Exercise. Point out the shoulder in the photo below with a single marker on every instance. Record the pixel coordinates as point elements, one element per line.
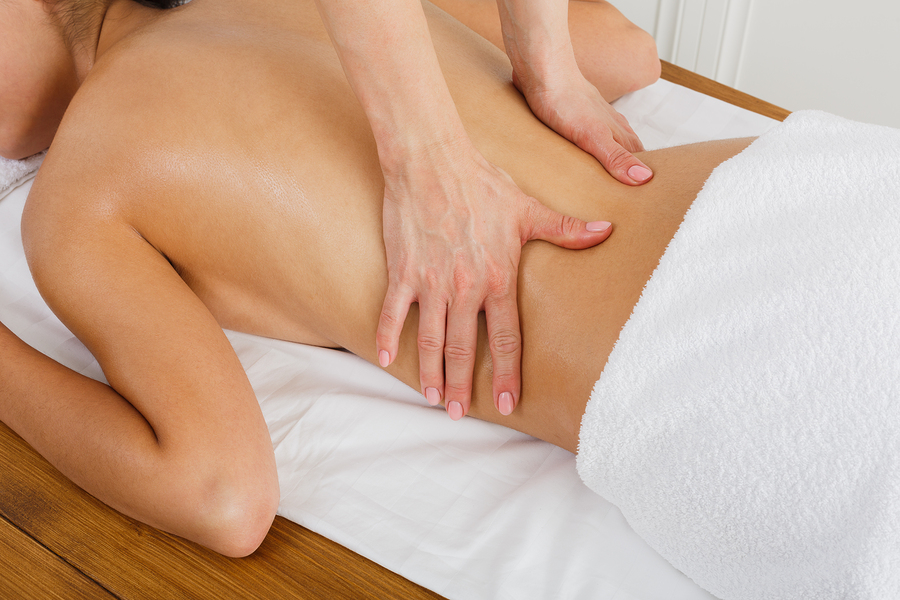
<point>101,158</point>
<point>137,109</point>
<point>142,128</point>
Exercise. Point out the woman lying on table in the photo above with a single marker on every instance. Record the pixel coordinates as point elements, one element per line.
<point>215,170</point>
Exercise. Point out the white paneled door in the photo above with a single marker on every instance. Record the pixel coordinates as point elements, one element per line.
<point>834,55</point>
<point>705,36</point>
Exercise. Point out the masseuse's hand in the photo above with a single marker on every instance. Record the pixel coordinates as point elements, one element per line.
<point>537,41</point>
<point>573,107</point>
<point>454,227</point>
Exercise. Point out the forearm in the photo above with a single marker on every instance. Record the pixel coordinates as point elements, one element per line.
<point>389,59</point>
<point>537,40</point>
<point>80,425</point>
<point>102,443</point>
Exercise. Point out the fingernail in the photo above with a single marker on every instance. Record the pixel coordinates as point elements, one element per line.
<point>639,173</point>
<point>433,396</point>
<point>506,404</point>
<point>384,359</point>
<point>596,226</point>
<point>454,409</point>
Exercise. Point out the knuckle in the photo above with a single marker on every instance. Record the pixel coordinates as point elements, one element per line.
<point>458,352</point>
<point>389,319</point>
<point>499,282</point>
<point>433,280</point>
<point>568,225</point>
<point>457,389</point>
<point>505,345</point>
<point>463,282</point>
<point>429,344</point>
<point>618,159</point>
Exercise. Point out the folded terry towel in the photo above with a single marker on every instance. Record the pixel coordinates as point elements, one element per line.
<point>747,422</point>
<point>12,172</point>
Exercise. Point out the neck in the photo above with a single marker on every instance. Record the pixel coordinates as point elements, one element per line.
<point>100,32</point>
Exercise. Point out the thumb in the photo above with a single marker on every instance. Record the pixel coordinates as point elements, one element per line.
<point>620,163</point>
<point>566,232</point>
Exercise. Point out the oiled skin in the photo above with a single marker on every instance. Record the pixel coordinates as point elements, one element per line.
<point>264,194</point>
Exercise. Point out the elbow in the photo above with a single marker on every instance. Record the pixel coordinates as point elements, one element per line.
<point>238,527</point>
<point>635,64</point>
<point>646,67</point>
<point>228,512</point>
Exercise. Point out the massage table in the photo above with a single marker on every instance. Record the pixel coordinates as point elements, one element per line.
<point>382,495</point>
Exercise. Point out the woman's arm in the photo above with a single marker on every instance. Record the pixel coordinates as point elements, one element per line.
<point>178,441</point>
<point>454,224</point>
<point>537,41</point>
<point>615,55</point>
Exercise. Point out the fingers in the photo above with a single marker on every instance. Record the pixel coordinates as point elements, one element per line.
<point>393,314</point>
<point>432,326</point>
<point>459,355</point>
<point>614,146</point>
<point>625,135</point>
<point>567,232</point>
<point>618,161</point>
<point>505,343</point>
<point>453,252</point>
<point>590,122</point>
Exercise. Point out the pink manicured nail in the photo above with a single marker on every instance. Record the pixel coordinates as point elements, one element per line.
<point>596,226</point>
<point>506,403</point>
<point>639,173</point>
<point>384,359</point>
<point>454,409</point>
<point>433,396</point>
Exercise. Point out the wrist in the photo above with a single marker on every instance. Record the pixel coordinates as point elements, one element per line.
<point>432,144</point>
<point>549,70</point>
<point>537,41</point>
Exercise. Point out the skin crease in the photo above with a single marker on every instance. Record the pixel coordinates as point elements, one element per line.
<point>174,202</point>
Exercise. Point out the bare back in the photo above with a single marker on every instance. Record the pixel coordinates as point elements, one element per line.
<point>239,162</point>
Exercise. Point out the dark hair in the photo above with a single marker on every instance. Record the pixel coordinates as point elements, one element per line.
<point>75,17</point>
<point>161,4</point>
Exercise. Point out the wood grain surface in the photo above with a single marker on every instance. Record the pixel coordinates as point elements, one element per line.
<point>57,539</point>
<point>707,86</point>
<point>28,570</point>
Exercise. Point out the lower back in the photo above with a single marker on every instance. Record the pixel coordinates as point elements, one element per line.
<point>263,188</point>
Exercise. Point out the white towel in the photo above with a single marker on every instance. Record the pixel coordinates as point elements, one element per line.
<point>747,422</point>
<point>13,172</point>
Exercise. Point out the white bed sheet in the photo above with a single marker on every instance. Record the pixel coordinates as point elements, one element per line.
<point>469,509</point>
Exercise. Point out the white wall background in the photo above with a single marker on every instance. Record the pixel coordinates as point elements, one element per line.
<point>835,55</point>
